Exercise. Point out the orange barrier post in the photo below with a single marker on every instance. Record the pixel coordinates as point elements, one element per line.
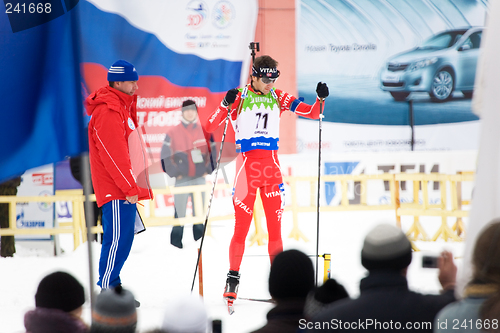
<point>200,274</point>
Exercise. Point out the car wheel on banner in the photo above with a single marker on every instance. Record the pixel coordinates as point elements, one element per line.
<point>442,86</point>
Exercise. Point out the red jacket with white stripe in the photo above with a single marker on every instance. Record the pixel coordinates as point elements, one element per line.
<point>286,101</point>
<point>113,121</point>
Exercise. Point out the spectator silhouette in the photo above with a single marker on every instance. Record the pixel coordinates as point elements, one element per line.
<point>321,297</point>
<point>385,302</point>
<point>114,311</point>
<point>290,280</point>
<point>479,310</point>
<point>58,299</point>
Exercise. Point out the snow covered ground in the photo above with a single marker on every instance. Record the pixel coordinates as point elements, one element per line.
<point>156,272</point>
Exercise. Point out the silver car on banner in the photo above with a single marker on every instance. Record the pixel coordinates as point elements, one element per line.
<point>444,63</point>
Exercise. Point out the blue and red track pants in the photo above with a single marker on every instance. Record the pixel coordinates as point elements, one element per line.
<point>118,220</point>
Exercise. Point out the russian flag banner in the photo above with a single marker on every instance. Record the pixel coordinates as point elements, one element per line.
<point>53,55</point>
<point>181,49</point>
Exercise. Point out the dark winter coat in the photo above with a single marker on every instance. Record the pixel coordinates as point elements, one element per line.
<point>385,300</point>
<point>176,153</point>
<point>42,320</point>
<point>284,317</point>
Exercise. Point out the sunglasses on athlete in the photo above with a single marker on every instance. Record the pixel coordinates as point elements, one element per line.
<point>268,80</point>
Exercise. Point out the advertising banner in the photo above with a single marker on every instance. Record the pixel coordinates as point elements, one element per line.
<point>390,65</point>
<point>36,182</point>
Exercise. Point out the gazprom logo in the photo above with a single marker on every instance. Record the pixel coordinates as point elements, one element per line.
<point>223,14</point>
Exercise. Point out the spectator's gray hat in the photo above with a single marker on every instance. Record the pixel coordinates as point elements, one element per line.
<point>114,310</point>
<point>386,247</point>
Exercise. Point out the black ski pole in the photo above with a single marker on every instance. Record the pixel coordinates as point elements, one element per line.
<point>319,184</point>
<point>211,196</point>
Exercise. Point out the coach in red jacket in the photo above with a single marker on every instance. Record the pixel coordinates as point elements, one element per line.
<point>117,188</point>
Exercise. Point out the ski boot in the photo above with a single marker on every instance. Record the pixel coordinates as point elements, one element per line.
<point>231,289</point>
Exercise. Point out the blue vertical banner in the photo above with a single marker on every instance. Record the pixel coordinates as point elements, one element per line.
<point>40,89</point>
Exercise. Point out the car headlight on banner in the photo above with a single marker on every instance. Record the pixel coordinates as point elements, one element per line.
<point>422,63</point>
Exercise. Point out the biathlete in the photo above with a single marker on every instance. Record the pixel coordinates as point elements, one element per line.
<point>255,112</point>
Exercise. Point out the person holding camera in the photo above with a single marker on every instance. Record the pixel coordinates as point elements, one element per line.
<point>479,310</point>
<point>186,156</point>
<point>385,297</point>
<point>255,112</point>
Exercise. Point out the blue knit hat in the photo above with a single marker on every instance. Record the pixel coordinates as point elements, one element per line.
<point>122,71</point>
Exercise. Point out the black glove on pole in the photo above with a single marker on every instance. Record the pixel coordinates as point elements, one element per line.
<point>230,97</point>
<point>322,90</point>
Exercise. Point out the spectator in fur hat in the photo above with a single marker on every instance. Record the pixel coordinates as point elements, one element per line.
<point>58,299</point>
<point>385,299</point>
<point>290,280</point>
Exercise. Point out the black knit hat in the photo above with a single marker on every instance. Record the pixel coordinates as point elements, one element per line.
<point>386,247</point>
<point>114,311</point>
<point>61,291</point>
<point>189,104</point>
<point>291,276</point>
<point>331,291</point>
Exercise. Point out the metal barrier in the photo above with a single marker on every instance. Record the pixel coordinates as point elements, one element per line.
<point>424,208</point>
<point>416,209</point>
<point>77,227</point>
<point>344,202</point>
<point>360,183</point>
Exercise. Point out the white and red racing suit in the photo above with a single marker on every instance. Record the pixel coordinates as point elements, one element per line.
<point>255,118</point>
